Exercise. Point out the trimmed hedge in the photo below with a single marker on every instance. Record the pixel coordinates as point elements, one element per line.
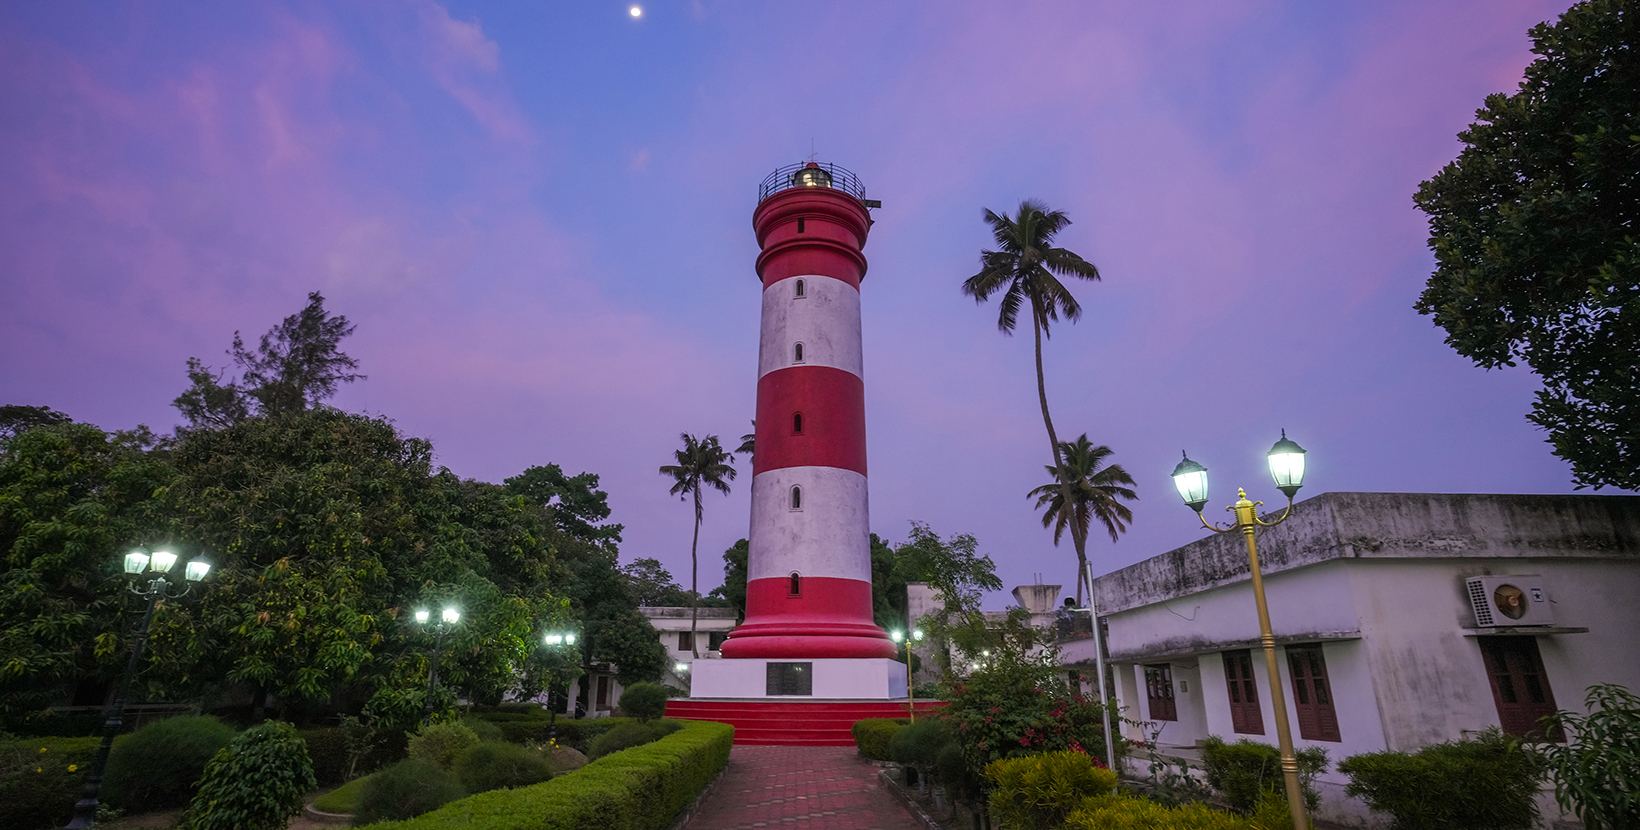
<point>875,736</point>
<point>642,788</point>
<point>629,735</point>
<point>1114,811</point>
<point>159,766</point>
<point>1488,783</point>
<point>41,778</point>
<point>578,734</point>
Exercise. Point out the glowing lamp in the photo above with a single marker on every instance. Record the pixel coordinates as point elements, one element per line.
<point>811,175</point>
<point>1191,479</point>
<point>136,562</point>
<point>451,616</point>
<point>196,570</point>
<point>162,561</point>
<point>1286,465</point>
<point>421,616</point>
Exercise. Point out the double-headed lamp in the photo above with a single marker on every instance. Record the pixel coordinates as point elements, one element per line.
<point>1287,465</point>
<point>555,639</point>
<point>1191,479</point>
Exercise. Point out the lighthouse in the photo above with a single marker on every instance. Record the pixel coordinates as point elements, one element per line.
<point>808,631</point>
<point>808,589</point>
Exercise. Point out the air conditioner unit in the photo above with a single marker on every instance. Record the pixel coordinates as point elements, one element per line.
<point>1509,601</point>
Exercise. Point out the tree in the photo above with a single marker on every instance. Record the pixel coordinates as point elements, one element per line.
<point>748,442</point>
<point>651,584</point>
<point>1094,493</point>
<point>734,577</point>
<point>1026,269</point>
<point>16,419</point>
<point>296,365</point>
<point>578,507</point>
<point>1534,233</point>
<point>955,569</point>
<point>701,461</point>
<point>1597,775</point>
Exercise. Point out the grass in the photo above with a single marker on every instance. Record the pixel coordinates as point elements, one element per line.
<point>343,799</point>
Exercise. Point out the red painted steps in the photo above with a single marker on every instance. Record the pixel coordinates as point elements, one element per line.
<point>761,722</point>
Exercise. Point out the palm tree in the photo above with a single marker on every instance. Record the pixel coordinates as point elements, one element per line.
<point>1024,268</point>
<point>1093,495</point>
<point>701,461</point>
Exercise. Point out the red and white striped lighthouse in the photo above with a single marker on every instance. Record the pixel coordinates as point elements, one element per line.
<point>808,593</point>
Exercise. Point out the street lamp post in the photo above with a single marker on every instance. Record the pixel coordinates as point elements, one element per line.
<point>447,620</point>
<point>147,574</point>
<point>555,639</point>
<point>1286,460</point>
<point>910,688</point>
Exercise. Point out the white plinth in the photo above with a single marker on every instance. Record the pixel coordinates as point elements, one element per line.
<point>860,678</point>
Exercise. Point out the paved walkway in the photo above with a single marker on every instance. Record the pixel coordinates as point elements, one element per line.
<point>800,788</point>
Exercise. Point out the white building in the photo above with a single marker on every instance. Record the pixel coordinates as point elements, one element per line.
<point>1380,643</point>
<point>712,627</point>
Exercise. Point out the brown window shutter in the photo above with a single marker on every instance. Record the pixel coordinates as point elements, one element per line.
<point>1520,688</point>
<point>1245,717</point>
<point>1312,694</point>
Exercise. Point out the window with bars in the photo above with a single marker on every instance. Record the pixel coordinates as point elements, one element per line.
<point>1519,686</point>
<point>686,641</point>
<point>1159,689</point>
<point>1312,695</point>
<point>1245,717</point>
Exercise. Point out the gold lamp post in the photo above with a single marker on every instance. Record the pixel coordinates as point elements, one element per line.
<point>1286,461</point>
<point>910,688</point>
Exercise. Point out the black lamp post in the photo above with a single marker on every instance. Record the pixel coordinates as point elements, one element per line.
<point>555,640</point>
<point>151,575</point>
<point>447,620</point>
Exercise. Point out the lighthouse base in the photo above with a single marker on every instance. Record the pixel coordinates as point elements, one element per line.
<point>787,679</point>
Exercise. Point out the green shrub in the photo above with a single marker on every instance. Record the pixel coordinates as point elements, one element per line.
<point>1037,792</point>
<point>327,748</point>
<point>485,730</point>
<point>1599,775</point>
<point>643,788</point>
<point>491,766</point>
<point>953,773</point>
<point>629,735</point>
<point>1483,784</point>
<point>254,783</point>
<point>405,790</point>
<point>1114,811</point>
<point>918,744</point>
<point>158,766</point>
<point>442,742</point>
<point>644,701</point>
<point>577,734</point>
<point>874,737</point>
<point>41,778</point>
<point>1242,771</point>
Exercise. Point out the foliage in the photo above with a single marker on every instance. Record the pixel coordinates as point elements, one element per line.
<point>701,462</point>
<point>1171,781</point>
<point>492,766</point>
<point>572,733</point>
<point>577,506</point>
<point>71,496</point>
<point>1533,230</point>
<point>613,630</point>
<point>1243,770</point>
<point>361,740</point>
<point>1489,782</point>
<point>734,577</point>
<point>158,766</point>
<point>1019,705</point>
<point>327,749</point>
<point>1598,775</point>
<point>1037,792</point>
<point>919,743</point>
<point>652,584</point>
<point>405,790</point>
<point>1091,491</point>
<point>254,783</point>
<point>343,800</point>
<point>954,568</point>
<point>643,788</point>
<point>296,365</point>
<point>875,736</point>
<point>629,735</point>
<point>442,742</point>
<point>41,778</point>
<point>644,701</point>
<point>485,730</point>
<point>1114,811</point>
<point>16,419</point>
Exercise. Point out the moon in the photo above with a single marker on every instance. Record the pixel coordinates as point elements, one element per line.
<point>635,11</point>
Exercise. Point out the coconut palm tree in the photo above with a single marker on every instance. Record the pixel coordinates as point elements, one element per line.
<point>1026,268</point>
<point>1094,492</point>
<point>701,461</point>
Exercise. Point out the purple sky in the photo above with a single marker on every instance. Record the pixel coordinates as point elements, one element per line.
<point>539,216</point>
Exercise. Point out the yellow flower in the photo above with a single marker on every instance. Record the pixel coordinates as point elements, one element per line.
<point>73,767</point>
<point>37,769</point>
<point>42,749</point>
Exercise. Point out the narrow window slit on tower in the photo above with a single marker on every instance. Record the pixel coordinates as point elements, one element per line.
<point>797,353</point>
<point>800,288</point>
<point>797,429</point>
<point>797,504</point>
<point>797,584</point>
<point>799,226</point>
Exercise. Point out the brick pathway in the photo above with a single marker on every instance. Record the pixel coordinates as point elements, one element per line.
<point>800,788</point>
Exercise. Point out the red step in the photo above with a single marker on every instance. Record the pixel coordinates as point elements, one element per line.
<point>761,722</point>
